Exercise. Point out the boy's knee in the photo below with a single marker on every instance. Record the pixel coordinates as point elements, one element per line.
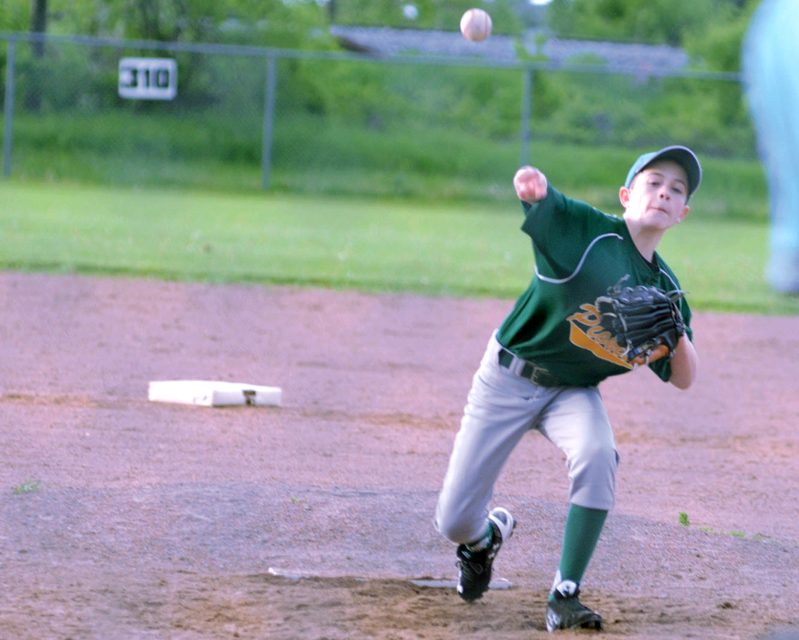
<point>597,458</point>
<point>593,477</point>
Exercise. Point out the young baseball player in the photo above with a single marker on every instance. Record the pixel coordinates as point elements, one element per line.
<point>541,368</point>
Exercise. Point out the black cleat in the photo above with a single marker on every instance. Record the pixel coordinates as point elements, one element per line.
<point>565,611</point>
<point>474,567</point>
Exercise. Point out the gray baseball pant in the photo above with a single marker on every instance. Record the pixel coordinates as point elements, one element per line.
<point>502,407</point>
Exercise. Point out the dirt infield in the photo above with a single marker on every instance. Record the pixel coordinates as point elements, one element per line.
<point>121,518</point>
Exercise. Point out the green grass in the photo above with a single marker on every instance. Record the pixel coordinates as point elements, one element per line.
<point>376,245</point>
<point>344,158</point>
<point>29,486</point>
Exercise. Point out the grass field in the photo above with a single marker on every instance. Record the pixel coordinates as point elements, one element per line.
<point>373,245</point>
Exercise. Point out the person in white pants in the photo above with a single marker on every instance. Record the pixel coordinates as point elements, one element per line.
<point>541,369</point>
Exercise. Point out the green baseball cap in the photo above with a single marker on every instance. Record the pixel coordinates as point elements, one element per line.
<point>683,156</point>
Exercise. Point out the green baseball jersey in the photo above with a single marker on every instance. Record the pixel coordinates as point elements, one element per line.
<point>580,253</point>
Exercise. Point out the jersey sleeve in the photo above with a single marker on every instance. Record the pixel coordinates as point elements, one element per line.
<point>558,226</point>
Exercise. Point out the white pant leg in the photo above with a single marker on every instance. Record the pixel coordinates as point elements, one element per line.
<point>501,408</point>
<point>577,423</point>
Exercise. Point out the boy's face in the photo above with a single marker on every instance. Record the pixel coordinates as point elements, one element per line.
<point>657,197</point>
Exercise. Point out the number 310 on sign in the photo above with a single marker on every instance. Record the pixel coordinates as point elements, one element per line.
<point>148,78</point>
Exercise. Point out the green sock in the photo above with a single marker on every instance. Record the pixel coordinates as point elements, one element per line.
<point>484,542</point>
<point>580,536</point>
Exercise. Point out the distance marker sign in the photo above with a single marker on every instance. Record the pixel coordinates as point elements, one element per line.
<point>148,78</point>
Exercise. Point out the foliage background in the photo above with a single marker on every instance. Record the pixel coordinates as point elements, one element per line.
<point>350,127</point>
<point>345,125</point>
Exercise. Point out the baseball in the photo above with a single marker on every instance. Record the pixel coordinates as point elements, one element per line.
<point>476,25</point>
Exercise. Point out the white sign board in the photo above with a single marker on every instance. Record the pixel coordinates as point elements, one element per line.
<point>148,78</point>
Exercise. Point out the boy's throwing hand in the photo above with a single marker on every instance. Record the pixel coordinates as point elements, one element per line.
<point>530,184</point>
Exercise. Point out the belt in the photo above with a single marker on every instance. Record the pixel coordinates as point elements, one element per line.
<point>526,369</point>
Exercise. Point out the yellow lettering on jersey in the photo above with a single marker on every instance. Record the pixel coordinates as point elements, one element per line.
<point>586,332</point>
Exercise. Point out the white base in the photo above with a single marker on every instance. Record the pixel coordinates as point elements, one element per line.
<point>213,393</point>
<point>497,584</point>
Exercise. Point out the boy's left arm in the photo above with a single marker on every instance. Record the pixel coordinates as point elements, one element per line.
<point>684,364</point>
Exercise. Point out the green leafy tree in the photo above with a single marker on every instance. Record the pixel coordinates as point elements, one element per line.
<point>717,45</point>
<point>15,15</point>
<point>718,48</point>
<point>260,22</point>
<point>652,21</point>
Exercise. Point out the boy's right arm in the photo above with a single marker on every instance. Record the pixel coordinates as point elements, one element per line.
<point>530,184</point>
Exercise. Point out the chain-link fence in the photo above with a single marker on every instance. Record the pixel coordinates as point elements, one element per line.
<point>145,113</point>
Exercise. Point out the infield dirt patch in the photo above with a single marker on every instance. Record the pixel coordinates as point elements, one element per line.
<point>121,518</point>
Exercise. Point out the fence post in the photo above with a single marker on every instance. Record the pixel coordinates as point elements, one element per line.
<point>8,107</point>
<point>527,110</point>
<point>269,117</point>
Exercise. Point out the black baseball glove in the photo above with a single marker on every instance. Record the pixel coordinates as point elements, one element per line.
<point>645,321</point>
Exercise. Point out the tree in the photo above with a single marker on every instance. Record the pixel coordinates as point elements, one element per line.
<point>39,16</point>
<point>33,95</point>
<point>651,21</point>
<point>718,45</point>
